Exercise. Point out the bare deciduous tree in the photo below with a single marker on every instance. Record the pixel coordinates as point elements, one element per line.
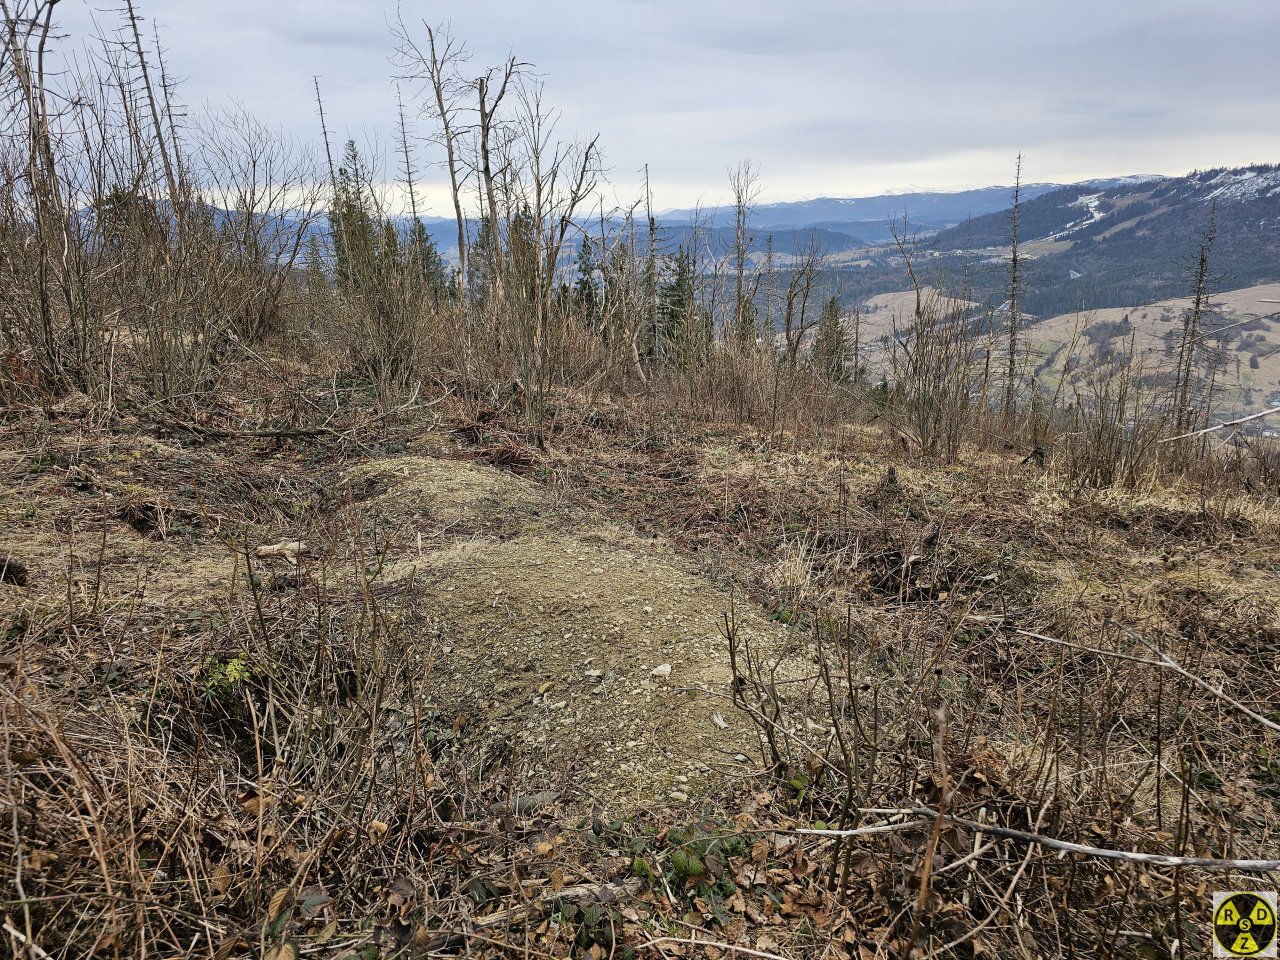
<point>437,67</point>
<point>489,101</point>
<point>805,270</point>
<point>744,181</point>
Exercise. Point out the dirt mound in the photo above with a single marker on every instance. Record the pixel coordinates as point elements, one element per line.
<point>587,659</point>
<point>95,523</point>
<point>593,660</point>
<point>451,496</point>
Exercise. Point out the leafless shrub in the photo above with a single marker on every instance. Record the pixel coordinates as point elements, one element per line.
<point>933,364</point>
<point>114,244</point>
<point>226,782</point>
<point>1110,432</point>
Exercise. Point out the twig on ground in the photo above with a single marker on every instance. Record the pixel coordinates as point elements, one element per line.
<point>1107,853</point>
<point>656,944</point>
<point>1166,662</point>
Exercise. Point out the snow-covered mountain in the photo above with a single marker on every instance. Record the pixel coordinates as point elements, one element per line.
<point>1151,207</point>
<point>1130,242</point>
<point>871,219</point>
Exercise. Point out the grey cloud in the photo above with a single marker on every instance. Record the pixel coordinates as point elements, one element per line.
<point>828,96</point>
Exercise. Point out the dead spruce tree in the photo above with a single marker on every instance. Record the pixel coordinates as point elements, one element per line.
<point>1189,342</point>
<point>1015,292</point>
<point>744,182</point>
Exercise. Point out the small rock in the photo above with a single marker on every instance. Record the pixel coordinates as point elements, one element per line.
<point>289,549</point>
<point>679,796</point>
<point>661,672</point>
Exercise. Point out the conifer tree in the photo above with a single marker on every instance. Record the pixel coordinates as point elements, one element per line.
<point>678,313</point>
<point>351,219</point>
<point>830,346</point>
<point>481,261</point>
<point>425,264</point>
<point>586,290</point>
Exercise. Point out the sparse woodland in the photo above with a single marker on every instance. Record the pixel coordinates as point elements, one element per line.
<point>572,595</point>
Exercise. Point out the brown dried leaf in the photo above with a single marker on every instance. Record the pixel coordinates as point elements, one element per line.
<point>767,944</point>
<point>254,802</point>
<point>37,860</point>
<point>108,941</point>
<point>400,892</point>
<point>220,882</point>
<point>277,903</point>
<point>312,900</point>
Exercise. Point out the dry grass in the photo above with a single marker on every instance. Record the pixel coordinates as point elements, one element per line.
<point>411,734</point>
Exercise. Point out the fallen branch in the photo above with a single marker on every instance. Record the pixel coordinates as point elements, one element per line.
<point>1164,661</point>
<point>1171,664</point>
<point>1106,853</point>
<point>32,948</point>
<point>1002,904</point>
<point>656,944</point>
<point>860,831</point>
<point>1223,426</point>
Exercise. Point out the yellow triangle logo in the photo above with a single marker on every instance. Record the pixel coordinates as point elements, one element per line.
<point>1245,945</point>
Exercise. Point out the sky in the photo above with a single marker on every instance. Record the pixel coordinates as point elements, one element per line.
<point>825,97</point>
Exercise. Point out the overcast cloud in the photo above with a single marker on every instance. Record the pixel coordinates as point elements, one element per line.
<point>827,97</point>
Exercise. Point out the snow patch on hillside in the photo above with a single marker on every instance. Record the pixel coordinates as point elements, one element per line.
<point>1241,186</point>
<point>1092,204</point>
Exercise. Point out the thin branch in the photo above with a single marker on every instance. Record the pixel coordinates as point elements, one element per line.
<point>860,831</point>
<point>1105,853</point>
<point>1224,426</point>
<point>692,941</point>
<point>1165,661</point>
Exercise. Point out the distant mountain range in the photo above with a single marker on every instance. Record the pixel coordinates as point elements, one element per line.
<point>839,224</point>
<point>1115,242</point>
<point>1130,243</point>
<point>870,220</point>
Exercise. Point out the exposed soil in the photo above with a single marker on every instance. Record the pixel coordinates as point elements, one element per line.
<point>590,659</point>
<point>590,656</point>
<point>509,659</point>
